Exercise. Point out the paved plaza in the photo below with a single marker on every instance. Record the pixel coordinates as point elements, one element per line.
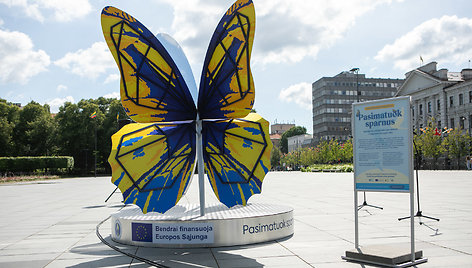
<point>52,224</point>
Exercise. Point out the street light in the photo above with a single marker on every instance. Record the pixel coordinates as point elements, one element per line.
<point>356,70</point>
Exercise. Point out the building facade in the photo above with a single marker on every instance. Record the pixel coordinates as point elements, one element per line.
<point>439,95</point>
<point>297,142</point>
<point>276,131</point>
<point>280,128</point>
<point>333,97</point>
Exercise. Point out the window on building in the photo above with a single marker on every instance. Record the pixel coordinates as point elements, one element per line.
<point>470,123</point>
<point>439,105</point>
<point>470,96</point>
<point>439,125</point>
<point>421,109</point>
<point>429,107</point>
<point>451,101</point>
<point>461,122</point>
<point>413,111</point>
<point>452,123</point>
<point>461,99</point>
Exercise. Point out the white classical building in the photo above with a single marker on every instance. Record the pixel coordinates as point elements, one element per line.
<point>297,142</point>
<point>439,94</point>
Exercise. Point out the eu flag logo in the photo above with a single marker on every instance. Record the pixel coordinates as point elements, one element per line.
<point>142,232</point>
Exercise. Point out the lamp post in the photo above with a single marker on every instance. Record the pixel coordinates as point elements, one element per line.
<point>356,70</point>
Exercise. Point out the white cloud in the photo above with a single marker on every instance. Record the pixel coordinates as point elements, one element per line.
<point>112,78</point>
<point>445,40</point>
<point>62,10</point>
<point>113,95</point>
<point>286,31</point>
<point>90,62</point>
<point>61,88</point>
<point>19,60</point>
<point>299,94</point>
<point>58,102</point>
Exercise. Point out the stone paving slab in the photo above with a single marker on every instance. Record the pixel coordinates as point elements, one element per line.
<point>52,224</point>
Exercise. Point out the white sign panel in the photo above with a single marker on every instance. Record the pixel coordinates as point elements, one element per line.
<point>173,233</point>
<point>382,145</point>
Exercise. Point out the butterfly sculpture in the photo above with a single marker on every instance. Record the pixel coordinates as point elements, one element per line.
<point>153,160</point>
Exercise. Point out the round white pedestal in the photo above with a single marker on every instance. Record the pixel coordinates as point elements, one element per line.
<point>182,226</point>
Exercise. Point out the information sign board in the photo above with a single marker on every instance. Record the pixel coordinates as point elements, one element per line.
<point>383,150</point>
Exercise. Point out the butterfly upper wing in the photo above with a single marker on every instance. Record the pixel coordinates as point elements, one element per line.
<point>226,86</point>
<point>152,87</point>
<point>153,163</point>
<point>237,157</point>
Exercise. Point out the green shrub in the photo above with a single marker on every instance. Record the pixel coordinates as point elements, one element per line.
<point>328,167</point>
<point>32,164</point>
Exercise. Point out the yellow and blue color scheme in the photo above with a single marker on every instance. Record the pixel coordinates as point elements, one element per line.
<point>153,160</point>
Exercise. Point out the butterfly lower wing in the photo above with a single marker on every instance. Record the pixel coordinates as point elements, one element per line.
<point>152,87</point>
<point>226,84</point>
<point>152,164</point>
<point>237,157</point>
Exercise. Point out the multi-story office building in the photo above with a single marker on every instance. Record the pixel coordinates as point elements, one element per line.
<point>439,94</point>
<point>333,97</point>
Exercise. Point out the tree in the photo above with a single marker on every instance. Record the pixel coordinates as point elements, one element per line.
<point>347,151</point>
<point>78,131</point>
<point>5,137</point>
<point>456,144</point>
<point>429,142</point>
<point>294,131</point>
<point>113,113</point>
<point>290,159</point>
<point>8,119</point>
<point>34,133</point>
<point>307,156</point>
<point>275,156</point>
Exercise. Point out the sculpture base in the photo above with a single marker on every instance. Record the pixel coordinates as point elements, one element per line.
<point>182,226</point>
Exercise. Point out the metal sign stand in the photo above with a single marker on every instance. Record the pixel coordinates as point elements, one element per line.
<point>385,255</point>
<point>364,204</point>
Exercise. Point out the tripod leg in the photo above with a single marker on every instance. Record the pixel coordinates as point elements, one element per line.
<point>404,218</point>
<point>375,206</point>
<point>431,218</point>
<point>364,204</point>
<point>111,194</point>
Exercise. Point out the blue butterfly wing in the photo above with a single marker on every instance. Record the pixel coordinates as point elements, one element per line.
<point>226,85</point>
<point>237,157</point>
<point>152,86</point>
<point>153,163</point>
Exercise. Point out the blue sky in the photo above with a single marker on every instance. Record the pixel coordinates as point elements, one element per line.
<point>53,51</point>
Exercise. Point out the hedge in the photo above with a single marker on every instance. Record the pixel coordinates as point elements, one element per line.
<point>33,163</point>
